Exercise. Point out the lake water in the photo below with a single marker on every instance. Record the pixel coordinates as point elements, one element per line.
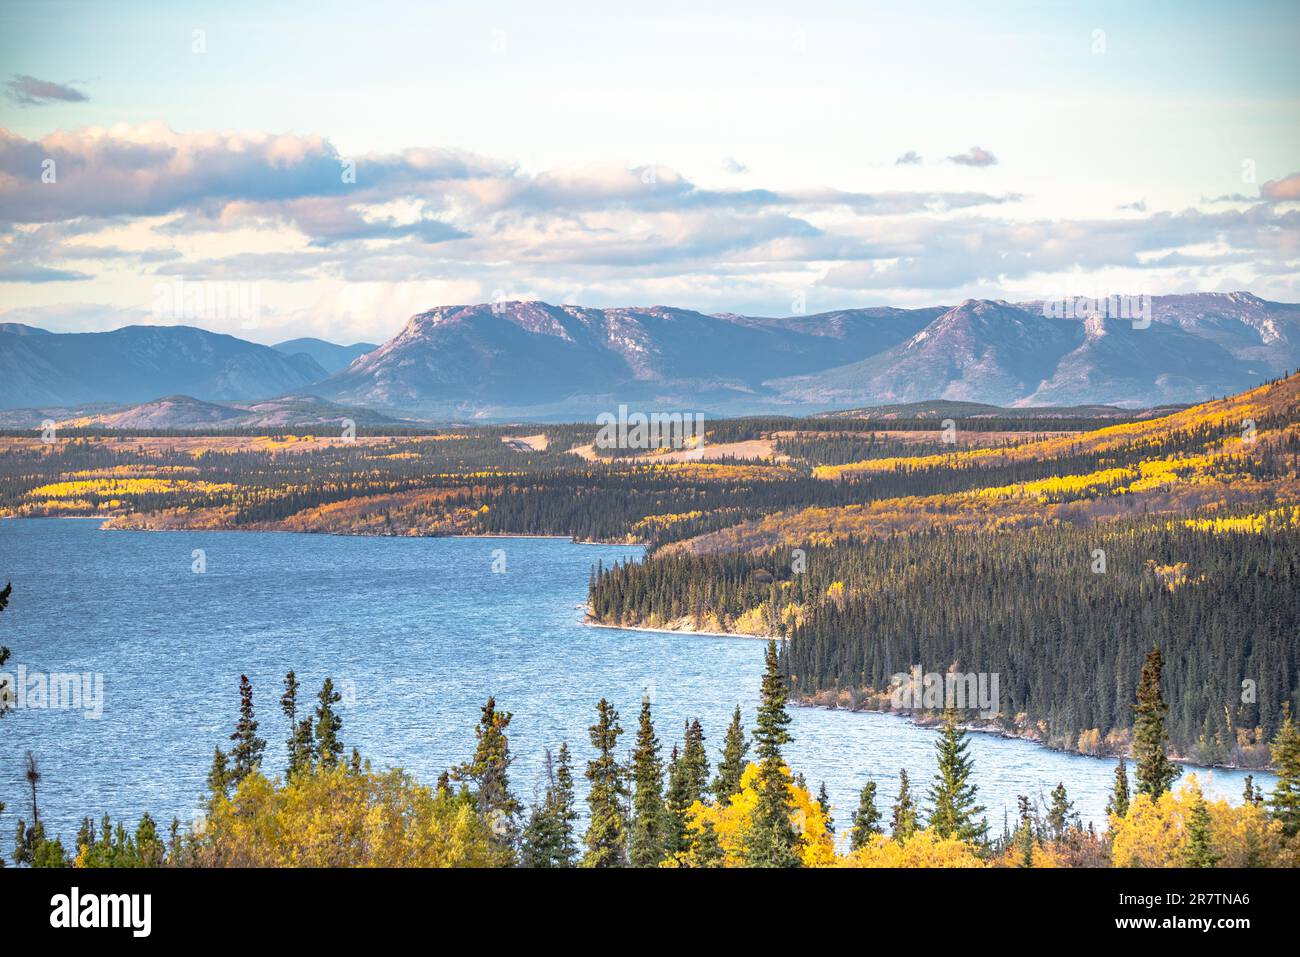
<point>416,632</point>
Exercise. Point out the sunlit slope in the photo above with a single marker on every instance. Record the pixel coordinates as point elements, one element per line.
<point>1231,458</point>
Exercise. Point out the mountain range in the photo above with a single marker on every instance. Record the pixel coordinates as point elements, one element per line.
<point>508,360</point>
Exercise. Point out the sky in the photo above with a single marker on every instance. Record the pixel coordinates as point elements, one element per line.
<point>341,166</point>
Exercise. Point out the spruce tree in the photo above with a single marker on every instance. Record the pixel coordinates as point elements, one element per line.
<point>1199,851</point>
<point>488,772</point>
<point>772,841</point>
<point>903,823</point>
<point>6,692</point>
<point>695,761</point>
<point>246,753</point>
<point>1059,812</point>
<point>547,839</point>
<point>566,808</point>
<point>706,850</point>
<point>735,748</point>
<point>866,819</point>
<point>824,802</point>
<point>1024,839</point>
<point>218,777</point>
<point>677,802</point>
<point>1285,751</point>
<point>1117,804</point>
<point>1155,772</point>
<point>954,811</point>
<point>646,847</point>
<point>299,749</point>
<point>328,724</point>
<point>606,837</point>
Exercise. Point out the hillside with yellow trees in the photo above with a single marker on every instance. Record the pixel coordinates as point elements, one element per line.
<point>1054,563</point>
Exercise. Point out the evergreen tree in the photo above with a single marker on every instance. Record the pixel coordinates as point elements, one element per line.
<point>706,850</point>
<point>246,753</point>
<point>219,776</point>
<point>328,724</point>
<point>953,793</point>
<point>646,848</point>
<point>677,836</point>
<point>1285,750</point>
<point>1252,795</point>
<point>547,840</point>
<point>903,823</point>
<point>1024,839</point>
<point>695,761</point>
<point>6,692</point>
<point>1199,851</point>
<point>606,837</point>
<point>566,808</point>
<point>1117,804</point>
<point>735,747</point>
<point>299,741</point>
<point>1155,772</point>
<point>866,820</point>
<point>488,772</point>
<point>772,841</point>
<point>824,802</point>
<point>1059,812</point>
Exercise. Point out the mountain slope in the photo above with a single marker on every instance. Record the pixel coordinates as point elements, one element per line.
<point>330,356</point>
<point>139,363</point>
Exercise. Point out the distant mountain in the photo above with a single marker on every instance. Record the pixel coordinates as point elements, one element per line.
<point>330,356</point>
<point>515,358</point>
<point>186,412</point>
<point>533,360</point>
<point>139,363</point>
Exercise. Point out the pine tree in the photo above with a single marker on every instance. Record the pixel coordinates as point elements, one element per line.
<point>695,761</point>
<point>328,723</point>
<point>547,840</point>
<point>772,841</point>
<point>219,777</point>
<point>1200,851</point>
<point>1024,839</point>
<point>299,741</point>
<point>566,808</point>
<point>735,748</point>
<point>646,847</point>
<point>1155,772</point>
<point>6,692</point>
<point>953,794</point>
<point>706,850</point>
<point>246,754</point>
<point>1285,751</point>
<point>824,802</point>
<point>866,820</point>
<point>606,837</point>
<point>1059,812</point>
<point>1118,801</point>
<point>488,772</point>
<point>903,823</point>
<point>677,802</point>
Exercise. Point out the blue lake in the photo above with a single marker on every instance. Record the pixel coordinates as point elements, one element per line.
<point>416,632</point>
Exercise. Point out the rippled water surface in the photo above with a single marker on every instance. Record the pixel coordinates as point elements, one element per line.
<point>416,632</point>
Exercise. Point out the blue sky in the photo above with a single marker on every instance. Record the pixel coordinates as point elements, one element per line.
<point>644,153</point>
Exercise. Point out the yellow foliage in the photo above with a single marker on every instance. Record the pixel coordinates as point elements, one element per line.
<point>341,818</point>
<point>732,821</point>
<point>1154,833</point>
<point>922,849</point>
